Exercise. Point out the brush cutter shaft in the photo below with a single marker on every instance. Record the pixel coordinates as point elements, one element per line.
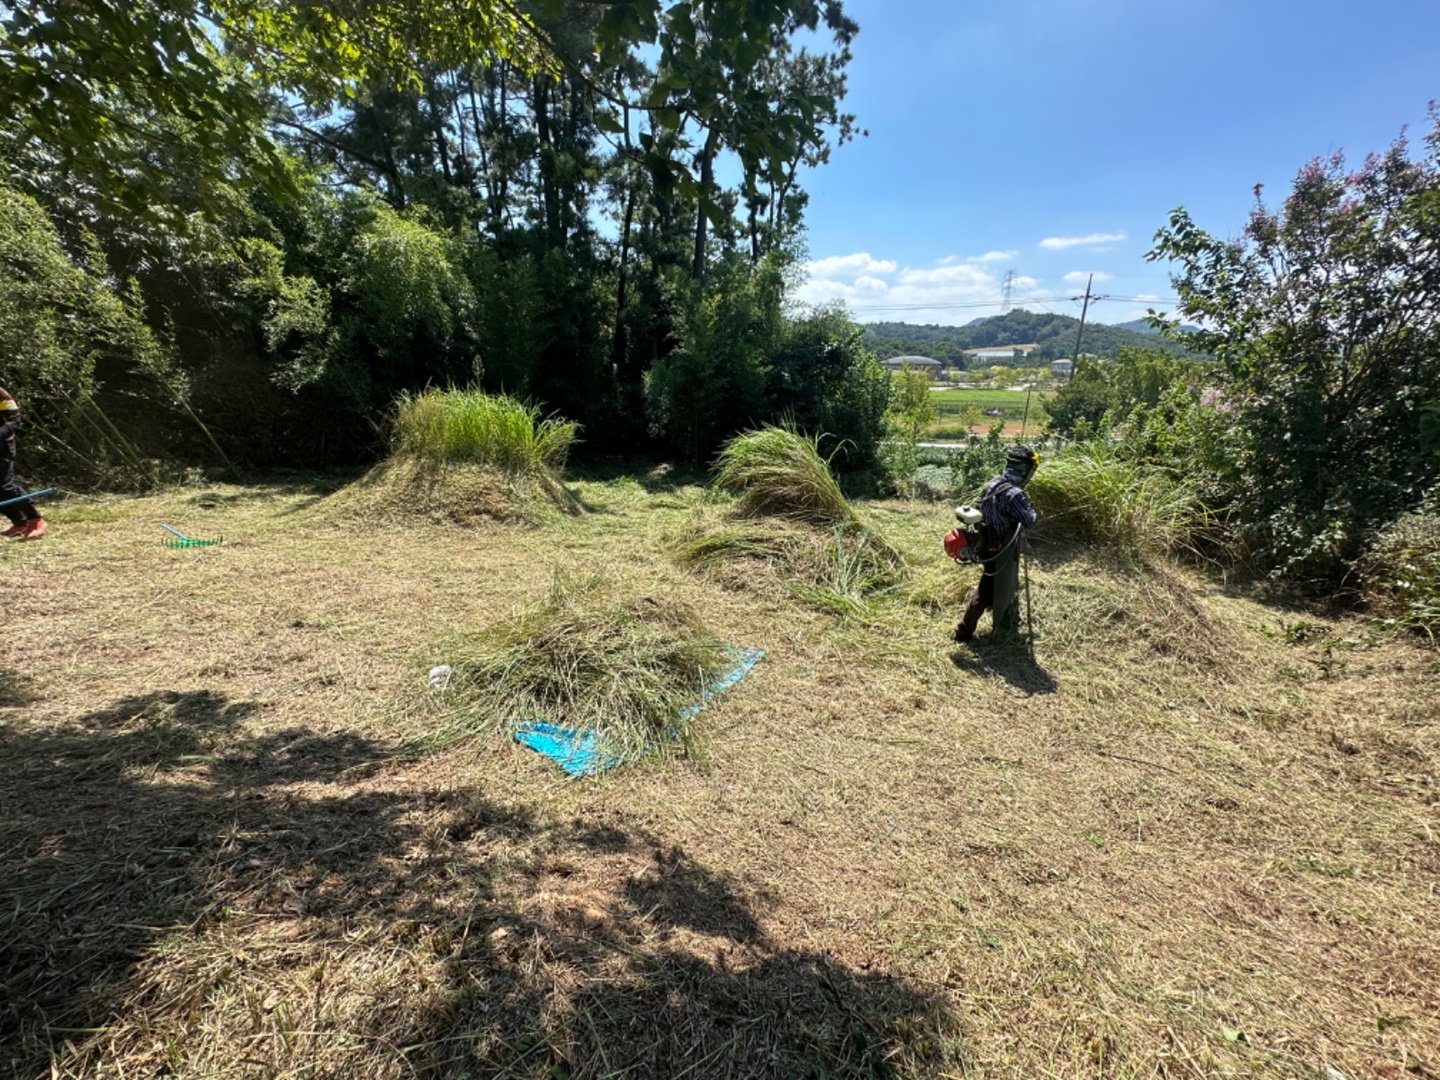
<point>27,498</point>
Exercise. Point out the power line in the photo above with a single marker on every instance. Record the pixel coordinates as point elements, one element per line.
<point>1039,301</point>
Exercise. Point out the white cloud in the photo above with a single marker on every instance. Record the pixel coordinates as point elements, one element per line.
<point>1060,243</point>
<point>1146,297</point>
<point>1080,277</point>
<point>843,266</point>
<point>948,291</point>
<point>992,256</point>
<point>866,283</point>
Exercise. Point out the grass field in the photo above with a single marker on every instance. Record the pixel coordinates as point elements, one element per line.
<point>1194,836</point>
<point>950,403</point>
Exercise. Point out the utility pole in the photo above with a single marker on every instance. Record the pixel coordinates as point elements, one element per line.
<point>1005,290</point>
<point>1080,332</point>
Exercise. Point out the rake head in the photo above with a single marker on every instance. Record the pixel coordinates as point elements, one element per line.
<point>189,543</point>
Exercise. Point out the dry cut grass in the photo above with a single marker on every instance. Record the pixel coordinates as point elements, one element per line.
<point>781,473</point>
<point>791,525</point>
<point>1192,836</point>
<point>628,668</point>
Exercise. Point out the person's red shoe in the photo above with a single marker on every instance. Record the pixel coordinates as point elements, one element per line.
<point>33,529</point>
<point>14,532</point>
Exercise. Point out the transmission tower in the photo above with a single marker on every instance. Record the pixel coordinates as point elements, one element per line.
<point>1005,290</point>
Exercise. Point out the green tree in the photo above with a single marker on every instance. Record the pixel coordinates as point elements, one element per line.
<point>912,411</point>
<point>78,354</point>
<point>1324,318</point>
<point>1102,394</point>
<point>713,383</point>
<point>820,378</point>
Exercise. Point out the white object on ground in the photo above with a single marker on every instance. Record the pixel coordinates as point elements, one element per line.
<point>440,676</point>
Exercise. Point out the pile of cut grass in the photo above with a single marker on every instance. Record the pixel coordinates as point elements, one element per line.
<point>463,456</point>
<point>842,570</point>
<point>792,524</point>
<point>1094,496</point>
<point>627,667</point>
<point>780,473</point>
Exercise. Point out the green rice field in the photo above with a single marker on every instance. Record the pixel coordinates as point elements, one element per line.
<point>950,404</point>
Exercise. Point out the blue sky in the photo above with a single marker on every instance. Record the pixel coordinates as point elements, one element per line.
<point>1053,138</point>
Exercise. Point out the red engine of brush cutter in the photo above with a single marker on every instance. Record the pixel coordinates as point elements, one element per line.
<point>960,545</point>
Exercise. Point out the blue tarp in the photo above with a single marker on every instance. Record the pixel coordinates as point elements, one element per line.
<point>579,752</point>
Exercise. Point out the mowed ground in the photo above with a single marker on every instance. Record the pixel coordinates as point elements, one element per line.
<point>1195,836</point>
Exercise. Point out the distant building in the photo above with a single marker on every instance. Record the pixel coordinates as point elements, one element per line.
<point>924,364</point>
<point>1062,369</point>
<point>1001,353</point>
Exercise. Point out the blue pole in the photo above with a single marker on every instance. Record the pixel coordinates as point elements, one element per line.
<point>177,532</point>
<point>32,495</point>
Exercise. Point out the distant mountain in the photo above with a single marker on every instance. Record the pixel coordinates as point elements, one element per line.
<point>1053,336</point>
<point>1140,326</point>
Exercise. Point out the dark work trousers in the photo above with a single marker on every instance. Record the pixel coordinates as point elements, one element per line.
<point>983,598</point>
<point>19,512</point>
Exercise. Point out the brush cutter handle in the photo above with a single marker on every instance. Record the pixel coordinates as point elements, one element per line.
<point>27,498</point>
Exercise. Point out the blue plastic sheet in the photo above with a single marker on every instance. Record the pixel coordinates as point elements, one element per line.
<point>578,751</point>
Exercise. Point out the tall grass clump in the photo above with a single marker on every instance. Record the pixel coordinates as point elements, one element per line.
<point>779,471</point>
<point>1091,494</point>
<point>445,427</point>
<point>814,542</point>
<point>628,667</point>
<point>1400,573</point>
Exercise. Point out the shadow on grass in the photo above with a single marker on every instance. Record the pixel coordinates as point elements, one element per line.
<point>16,690</point>
<point>1008,658</point>
<point>656,477</point>
<point>158,864</point>
<point>308,488</point>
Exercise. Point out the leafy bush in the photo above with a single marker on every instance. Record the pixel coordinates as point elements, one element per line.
<point>977,461</point>
<point>912,410</point>
<point>821,378</point>
<point>1322,319</point>
<point>407,310</point>
<point>1102,395</point>
<point>1400,573</point>
<point>628,667</point>
<point>779,471</point>
<point>1091,494</point>
<point>73,345</point>
<point>466,426</point>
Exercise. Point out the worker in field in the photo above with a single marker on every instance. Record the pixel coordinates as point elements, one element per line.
<point>1007,515</point>
<point>25,521</point>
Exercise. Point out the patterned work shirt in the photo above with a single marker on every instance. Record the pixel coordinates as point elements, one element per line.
<point>1004,505</point>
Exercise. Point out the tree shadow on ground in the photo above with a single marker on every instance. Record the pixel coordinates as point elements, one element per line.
<point>1009,658</point>
<point>16,690</point>
<point>307,488</point>
<point>656,477</point>
<point>181,896</point>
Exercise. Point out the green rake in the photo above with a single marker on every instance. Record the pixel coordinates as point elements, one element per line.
<point>186,541</point>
